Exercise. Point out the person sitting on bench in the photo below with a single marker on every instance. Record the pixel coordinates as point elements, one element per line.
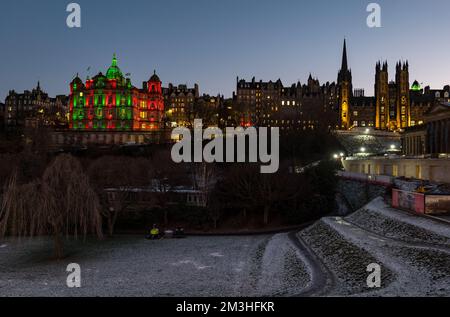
<point>154,233</point>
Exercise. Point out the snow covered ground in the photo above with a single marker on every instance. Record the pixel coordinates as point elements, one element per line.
<point>329,258</point>
<point>133,266</point>
<point>413,252</point>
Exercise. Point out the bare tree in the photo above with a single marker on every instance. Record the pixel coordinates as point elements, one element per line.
<point>115,178</point>
<point>247,188</point>
<point>62,203</point>
<point>167,176</point>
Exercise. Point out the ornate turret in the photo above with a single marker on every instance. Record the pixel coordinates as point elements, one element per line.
<point>114,71</point>
<point>154,78</point>
<point>76,83</point>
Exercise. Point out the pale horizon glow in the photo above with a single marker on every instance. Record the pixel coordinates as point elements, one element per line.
<point>213,42</point>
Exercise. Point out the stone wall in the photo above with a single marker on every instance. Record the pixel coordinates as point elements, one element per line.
<point>357,194</point>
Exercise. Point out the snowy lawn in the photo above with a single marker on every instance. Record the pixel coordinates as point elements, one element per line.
<point>133,266</point>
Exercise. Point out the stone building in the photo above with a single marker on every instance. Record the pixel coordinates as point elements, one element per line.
<point>298,107</point>
<point>179,104</point>
<point>432,138</point>
<point>34,106</point>
<point>2,117</point>
<point>111,103</point>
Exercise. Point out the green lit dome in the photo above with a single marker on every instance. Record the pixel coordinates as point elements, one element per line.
<point>416,86</point>
<point>114,71</point>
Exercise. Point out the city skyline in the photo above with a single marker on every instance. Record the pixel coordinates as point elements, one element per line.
<point>214,56</point>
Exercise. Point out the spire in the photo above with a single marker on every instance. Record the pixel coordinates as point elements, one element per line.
<point>344,57</point>
<point>39,85</point>
<point>114,60</point>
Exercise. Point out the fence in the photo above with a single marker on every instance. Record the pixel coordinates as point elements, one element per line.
<point>375,179</point>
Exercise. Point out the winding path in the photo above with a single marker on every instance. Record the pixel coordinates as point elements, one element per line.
<point>321,277</point>
<point>398,242</point>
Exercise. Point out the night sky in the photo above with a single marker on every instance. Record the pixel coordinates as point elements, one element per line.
<point>210,42</point>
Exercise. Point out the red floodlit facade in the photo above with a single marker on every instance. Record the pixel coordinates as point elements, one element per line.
<point>111,103</point>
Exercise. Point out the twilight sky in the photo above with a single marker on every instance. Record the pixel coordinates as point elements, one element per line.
<point>210,42</point>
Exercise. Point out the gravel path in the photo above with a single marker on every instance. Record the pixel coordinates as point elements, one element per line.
<point>322,280</point>
<point>345,259</point>
<point>391,223</point>
<point>417,270</point>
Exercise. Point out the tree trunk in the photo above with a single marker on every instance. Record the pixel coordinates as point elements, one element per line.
<point>110,226</point>
<point>266,215</point>
<point>166,217</point>
<point>58,246</point>
<point>112,219</point>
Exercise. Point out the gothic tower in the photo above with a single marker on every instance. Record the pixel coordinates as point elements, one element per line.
<point>345,91</point>
<point>382,96</point>
<point>403,106</point>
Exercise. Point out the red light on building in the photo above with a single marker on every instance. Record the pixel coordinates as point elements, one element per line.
<point>112,91</point>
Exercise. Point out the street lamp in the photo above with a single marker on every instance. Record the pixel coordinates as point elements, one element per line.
<point>363,150</point>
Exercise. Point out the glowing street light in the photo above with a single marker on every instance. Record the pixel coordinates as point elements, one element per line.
<point>363,150</point>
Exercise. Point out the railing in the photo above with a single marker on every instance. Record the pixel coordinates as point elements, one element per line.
<point>384,180</point>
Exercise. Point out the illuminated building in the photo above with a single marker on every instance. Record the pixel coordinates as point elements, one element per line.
<point>345,91</point>
<point>34,107</point>
<point>111,103</point>
<point>179,104</point>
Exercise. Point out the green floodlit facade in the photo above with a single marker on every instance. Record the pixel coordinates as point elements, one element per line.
<point>111,102</point>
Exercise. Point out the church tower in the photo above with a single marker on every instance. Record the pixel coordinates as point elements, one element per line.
<point>345,91</point>
<point>382,96</point>
<point>403,105</point>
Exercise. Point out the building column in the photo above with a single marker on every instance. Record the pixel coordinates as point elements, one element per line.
<point>428,144</point>
<point>437,135</point>
<point>409,149</point>
<point>447,128</point>
<point>415,147</point>
<point>433,137</point>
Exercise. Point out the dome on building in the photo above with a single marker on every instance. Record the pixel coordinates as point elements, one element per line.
<point>416,86</point>
<point>76,82</point>
<point>114,71</point>
<point>155,77</point>
<point>99,76</point>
